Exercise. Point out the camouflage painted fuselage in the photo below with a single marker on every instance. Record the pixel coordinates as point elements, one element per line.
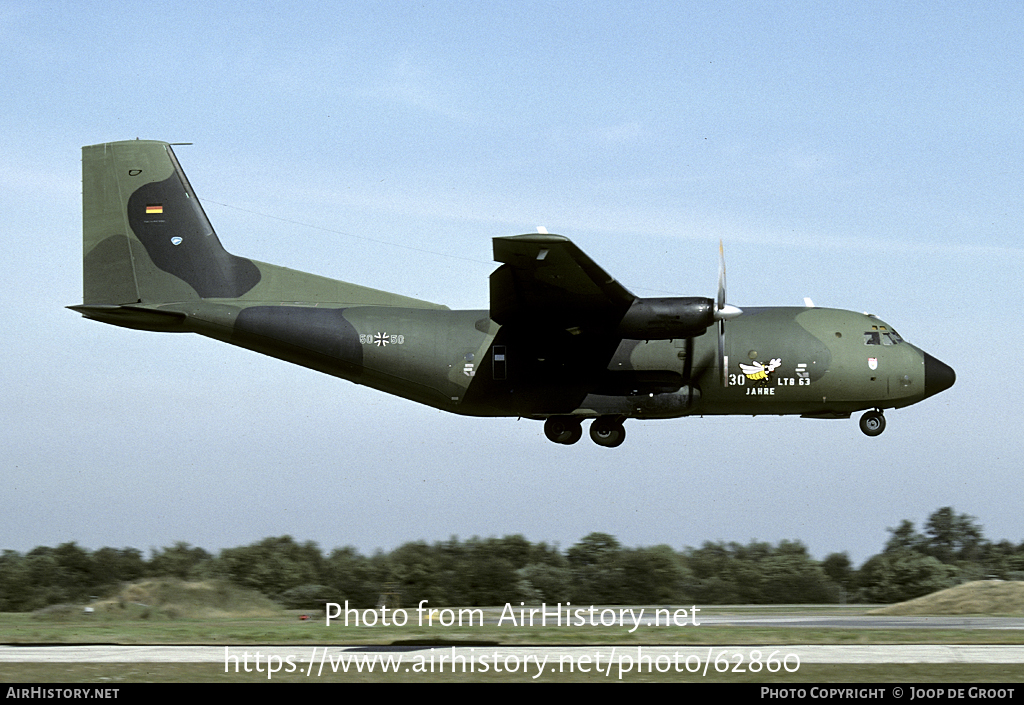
<point>561,339</point>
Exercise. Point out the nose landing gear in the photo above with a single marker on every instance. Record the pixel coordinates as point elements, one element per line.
<point>872,423</point>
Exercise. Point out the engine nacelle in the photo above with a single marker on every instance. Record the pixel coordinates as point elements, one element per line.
<point>669,317</point>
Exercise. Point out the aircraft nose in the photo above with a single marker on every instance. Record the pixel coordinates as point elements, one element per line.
<point>938,376</point>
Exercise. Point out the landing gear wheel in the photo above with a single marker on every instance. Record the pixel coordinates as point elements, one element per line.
<point>563,429</point>
<point>607,432</point>
<point>872,423</point>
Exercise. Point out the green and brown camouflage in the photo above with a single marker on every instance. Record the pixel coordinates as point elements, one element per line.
<point>562,340</point>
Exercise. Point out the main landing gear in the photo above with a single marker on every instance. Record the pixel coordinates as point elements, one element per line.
<point>608,431</point>
<point>563,429</point>
<point>605,431</point>
<point>872,423</point>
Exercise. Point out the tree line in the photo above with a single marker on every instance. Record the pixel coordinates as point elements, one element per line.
<point>475,572</point>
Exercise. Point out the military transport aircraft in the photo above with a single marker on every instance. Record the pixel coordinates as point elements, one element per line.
<point>562,341</point>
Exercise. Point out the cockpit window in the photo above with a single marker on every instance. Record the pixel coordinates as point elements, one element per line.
<point>882,335</point>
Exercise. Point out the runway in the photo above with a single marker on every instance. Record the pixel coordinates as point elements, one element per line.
<point>451,656</point>
<point>304,655</point>
<point>866,622</point>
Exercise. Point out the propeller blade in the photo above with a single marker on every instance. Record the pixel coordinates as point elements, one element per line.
<point>723,359</point>
<point>723,312</point>
<point>720,301</point>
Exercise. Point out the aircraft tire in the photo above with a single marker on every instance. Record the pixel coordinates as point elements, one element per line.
<point>607,432</point>
<point>872,423</point>
<point>560,429</point>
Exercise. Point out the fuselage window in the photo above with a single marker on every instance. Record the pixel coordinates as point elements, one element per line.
<point>498,364</point>
<point>882,336</point>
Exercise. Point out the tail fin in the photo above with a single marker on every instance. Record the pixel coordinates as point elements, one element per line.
<point>146,239</point>
<point>150,253</point>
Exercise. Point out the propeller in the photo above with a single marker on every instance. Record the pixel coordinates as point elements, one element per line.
<point>723,313</point>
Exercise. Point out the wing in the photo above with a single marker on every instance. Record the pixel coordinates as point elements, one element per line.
<point>559,313</point>
<point>546,281</point>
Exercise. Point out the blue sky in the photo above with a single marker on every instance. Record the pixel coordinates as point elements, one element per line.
<point>866,156</point>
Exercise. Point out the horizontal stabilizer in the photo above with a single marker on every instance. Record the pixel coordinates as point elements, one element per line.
<point>137,317</point>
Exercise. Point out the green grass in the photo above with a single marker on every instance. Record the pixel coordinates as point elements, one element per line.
<point>288,629</point>
<point>168,612</point>
<point>110,675</point>
<point>988,597</point>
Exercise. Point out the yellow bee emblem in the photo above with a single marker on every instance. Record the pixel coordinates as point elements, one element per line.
<point>759,371</point>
